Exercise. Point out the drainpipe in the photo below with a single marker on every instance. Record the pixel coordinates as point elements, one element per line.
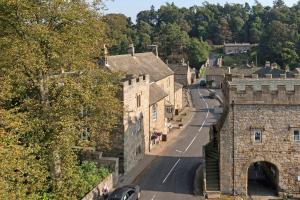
<point>233,146</point>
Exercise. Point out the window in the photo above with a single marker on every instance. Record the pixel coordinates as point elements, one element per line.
<point>296,136</point>
<point>154,112</point>
<point>138,101</point>
<point>258,136</point>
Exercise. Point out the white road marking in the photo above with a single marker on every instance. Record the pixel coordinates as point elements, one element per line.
<point>154,196</point>
<point>193,140</point>
<point>171,170</point>
<point>178,151</point>
<point>187,148</point>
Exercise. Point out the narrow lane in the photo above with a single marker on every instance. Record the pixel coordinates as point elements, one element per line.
<point>171,175</point>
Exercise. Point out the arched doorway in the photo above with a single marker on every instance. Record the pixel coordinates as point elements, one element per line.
<point>263,178</point>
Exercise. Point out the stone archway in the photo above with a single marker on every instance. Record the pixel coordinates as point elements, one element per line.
<point>262,179</point>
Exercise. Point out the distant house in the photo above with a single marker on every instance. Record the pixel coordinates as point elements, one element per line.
<point>215,75</point>
<point>148,98</point>
<point>184,74</point>
<point>236,48</point>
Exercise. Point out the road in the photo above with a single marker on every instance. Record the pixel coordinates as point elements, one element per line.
<point>171,175</point>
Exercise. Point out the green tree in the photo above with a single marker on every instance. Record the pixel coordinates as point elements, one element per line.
<point>224,33</point>
<point>120,32</point>
<point>53,92</point>
<point>198,52</point>
<point>172,40</point>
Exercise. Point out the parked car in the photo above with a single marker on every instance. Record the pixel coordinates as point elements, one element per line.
<point>126,193</point>
<point>202,83</point>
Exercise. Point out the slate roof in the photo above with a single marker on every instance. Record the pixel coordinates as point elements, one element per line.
<point>140,64</point>
<point>216,71</point>
<point>178,86</point>
<point>179,69</point>
<point>156,94</point>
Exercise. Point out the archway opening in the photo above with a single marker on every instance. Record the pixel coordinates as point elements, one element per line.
<point>263,179</point>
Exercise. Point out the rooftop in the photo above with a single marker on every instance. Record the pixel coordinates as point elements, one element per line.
<point>156,93</point>
<point>246,71</point>
<point>140,64</point>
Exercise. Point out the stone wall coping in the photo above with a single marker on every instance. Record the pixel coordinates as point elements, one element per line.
<point>258,84</point>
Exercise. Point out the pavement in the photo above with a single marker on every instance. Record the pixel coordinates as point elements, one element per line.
<point>168,172</point>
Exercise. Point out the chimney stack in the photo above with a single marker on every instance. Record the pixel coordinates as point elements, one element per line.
<point>131,49</point>
<point>156,49</point>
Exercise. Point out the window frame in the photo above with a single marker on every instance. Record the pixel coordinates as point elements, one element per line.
<point>294,135</point>
<point>260,136</point>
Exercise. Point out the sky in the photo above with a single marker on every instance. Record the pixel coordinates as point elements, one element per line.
<point>132,7</point>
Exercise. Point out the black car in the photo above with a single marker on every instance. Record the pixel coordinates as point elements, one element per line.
<point>202,83</point>
<point>126,193</point>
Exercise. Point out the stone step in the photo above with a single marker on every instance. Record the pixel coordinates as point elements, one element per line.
<point>212,163</point>
<point>213,194</point>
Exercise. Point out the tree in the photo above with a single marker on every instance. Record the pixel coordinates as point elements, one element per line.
<point>198,52</point>
<point>120,31</point>
<point>224,33</point>
<point>53,92</point>
<point>289,54</point>
<point>171,41</point>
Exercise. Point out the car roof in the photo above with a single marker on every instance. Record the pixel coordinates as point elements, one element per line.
<point>119,192</point>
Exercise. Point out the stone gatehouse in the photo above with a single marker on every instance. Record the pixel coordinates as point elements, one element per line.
<point>262,126</point>
<point>258,137</point>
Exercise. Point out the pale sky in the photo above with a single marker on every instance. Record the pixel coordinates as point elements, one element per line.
<point>132,7</point>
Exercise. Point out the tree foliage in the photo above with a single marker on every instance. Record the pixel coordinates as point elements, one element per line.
<point>270,27</point>
<point>53,92</point>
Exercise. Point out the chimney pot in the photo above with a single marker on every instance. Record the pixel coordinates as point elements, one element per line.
<point>131,49</point>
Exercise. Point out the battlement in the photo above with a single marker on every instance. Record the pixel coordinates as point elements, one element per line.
<point>263,90</point>
<point>136,81</point>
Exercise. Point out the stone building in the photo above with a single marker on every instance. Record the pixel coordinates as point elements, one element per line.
<point>184,74</point>
<point>236,48</point>
<point>178,98</point>
<point>215,76</point>
<point>148,100</point>
<point>257,140</point>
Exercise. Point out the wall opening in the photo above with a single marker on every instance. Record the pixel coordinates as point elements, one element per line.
<point>263,179</point>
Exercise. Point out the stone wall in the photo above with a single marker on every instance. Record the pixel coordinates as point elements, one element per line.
<point>158,124</point>
<point>97,192</point>
<point>273,107</point>
<point>179,99</point>
<point>168,85</point>
<point>277,146</point>
<point>135,120</point>
<point>216,80</point>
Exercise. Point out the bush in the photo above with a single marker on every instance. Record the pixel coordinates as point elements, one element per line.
<point>90,176</point>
